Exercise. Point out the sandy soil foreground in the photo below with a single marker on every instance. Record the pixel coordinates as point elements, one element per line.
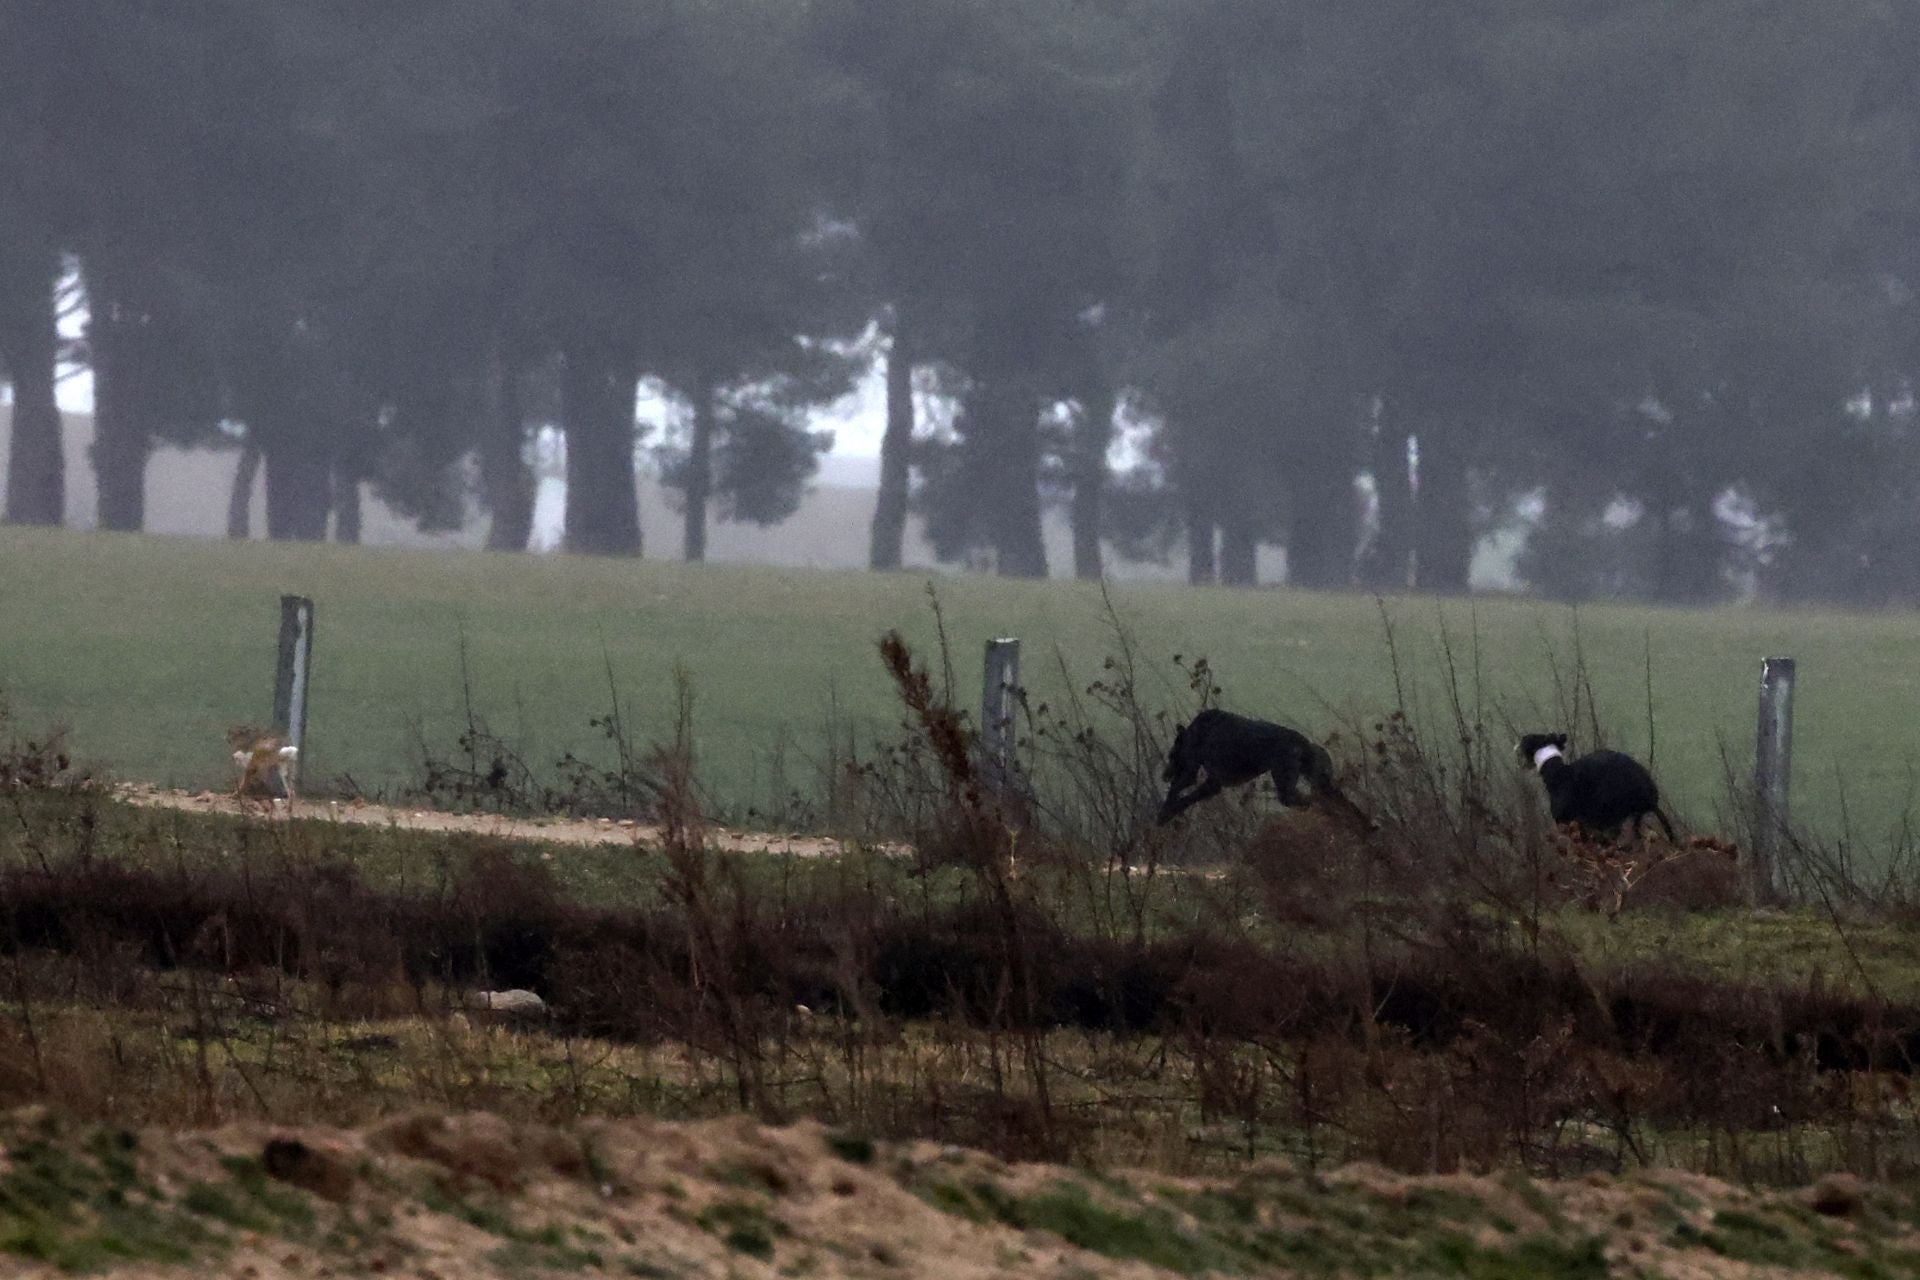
<point>440,1197</point>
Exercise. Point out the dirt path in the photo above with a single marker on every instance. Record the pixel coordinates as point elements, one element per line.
<point>566,831</point>
<point>555,831</point>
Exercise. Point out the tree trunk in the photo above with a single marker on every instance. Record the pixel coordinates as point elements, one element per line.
<point>299,485</point>
<point>699,469</point>
<point>1320,529</point>
<point>121,443</point>
<point>1388,562</point>
<point>240,497</point>
<point>887,541</point>
<point>346,505</point>
<point>1445,551</point>
<point>124,381</point>
<point>1562,558</point>
<point>29,343</point>
<point>598,391</point>
<point>505,476</point>
<point>1202,568</point>
<point>1092,434</point>
<point>1238,556</point>
<point>1313,547</point>
<point>1005,422</point>
<point>1688,552</point>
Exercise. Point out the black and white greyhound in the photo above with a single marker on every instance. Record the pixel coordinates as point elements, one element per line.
<point>1601,791</point>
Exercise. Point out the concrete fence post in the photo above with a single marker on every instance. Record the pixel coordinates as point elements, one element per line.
<point>291,673</point>
<point>1772,771</point>
<point>998,703</point>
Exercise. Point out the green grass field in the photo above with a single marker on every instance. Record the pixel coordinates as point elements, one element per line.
<point>147,648</point>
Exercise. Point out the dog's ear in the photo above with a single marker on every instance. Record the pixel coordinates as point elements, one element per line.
<point>1560,740</point>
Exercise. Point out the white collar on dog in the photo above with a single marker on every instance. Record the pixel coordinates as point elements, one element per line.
<point>1545,754</point>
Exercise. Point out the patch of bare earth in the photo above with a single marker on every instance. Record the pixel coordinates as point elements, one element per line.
<point>434,1196</point>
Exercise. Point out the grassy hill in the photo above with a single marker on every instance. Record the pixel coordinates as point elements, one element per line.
<point>149,646</point>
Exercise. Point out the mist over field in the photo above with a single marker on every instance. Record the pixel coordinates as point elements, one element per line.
<point>1591,303</point>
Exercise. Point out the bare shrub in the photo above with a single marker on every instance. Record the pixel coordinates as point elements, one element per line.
<point>1312,871</point>
<point>36,763</point>
<point>488,772</point>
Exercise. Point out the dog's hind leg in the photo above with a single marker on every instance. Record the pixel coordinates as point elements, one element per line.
<point>1286,784</point>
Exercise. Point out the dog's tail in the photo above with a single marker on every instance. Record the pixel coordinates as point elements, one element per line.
<point>1320,774</point>
<point>1339,802</point>
<point>1319,770</point>
<point>1665,825</point>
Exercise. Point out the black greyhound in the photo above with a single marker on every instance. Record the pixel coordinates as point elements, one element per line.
<point>1602,790</point>
<point>1217,750</point>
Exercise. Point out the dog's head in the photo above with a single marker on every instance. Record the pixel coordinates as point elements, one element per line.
<point>1533,744</point>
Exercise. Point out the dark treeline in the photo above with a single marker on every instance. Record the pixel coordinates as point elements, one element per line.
<point>1370,282</point>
